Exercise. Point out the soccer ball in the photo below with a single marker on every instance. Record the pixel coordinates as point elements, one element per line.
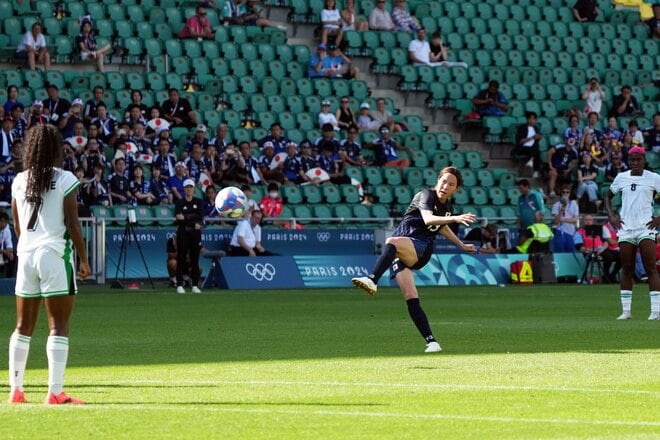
<point>231,202</point>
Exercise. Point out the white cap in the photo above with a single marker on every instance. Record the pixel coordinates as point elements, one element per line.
<point>325,102</point>
<point>188,182</point>
<point>202,128</point>
<point>77,101</point>
<point>179,164</point>
<point>364,105</point>
<point>38,102</point>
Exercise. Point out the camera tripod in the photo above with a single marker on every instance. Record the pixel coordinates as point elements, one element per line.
<point>129,234</point>
<point>594,261</point>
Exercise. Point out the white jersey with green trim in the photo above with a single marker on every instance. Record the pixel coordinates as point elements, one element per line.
<point>637,194</point>
<point>43,225</point>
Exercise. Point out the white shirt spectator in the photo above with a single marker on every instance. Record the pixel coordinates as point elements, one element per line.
<point>29,41</point>
<point>250,235</point>
<point>595,101</point>
<point>5,239</point>
<point>328,15</point>
<point>380,20</point>
<point>328,118</point>
<point>572,211</point>
<point>420,50</point>
<point>530,134</point>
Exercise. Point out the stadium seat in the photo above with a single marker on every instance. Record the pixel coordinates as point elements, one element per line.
<point>383,194</point>
<point>350,194</point>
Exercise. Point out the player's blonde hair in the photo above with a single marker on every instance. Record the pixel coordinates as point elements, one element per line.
<point>42,150</point>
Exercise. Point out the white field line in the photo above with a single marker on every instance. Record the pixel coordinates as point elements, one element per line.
<point>196,408</point>
<point>371,385</point>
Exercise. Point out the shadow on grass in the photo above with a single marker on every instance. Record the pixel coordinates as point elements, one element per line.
<point>141,328</point>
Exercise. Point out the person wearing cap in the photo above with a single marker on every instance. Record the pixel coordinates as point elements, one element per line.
<point>625,104</point>
<point>527,140</point>
<point>328,138</point>
<point>119,184</point>
<point>637,228</point>
<point>292,164</point>
<point>331,22</point>
<point>177,111</point>
<point>325,117</point>
<point>33,48</point>
<point>490,101</point>
<point>175,182</point>
<point>199,138</point>
<point>189,214</point>
<point>364,119</point>
<point>307,161</point>
<point>55,106</point>
<point>380,19</point>
<point>562,161</point>
<point>316,67</point>
<point>339,65</point>
<point>35,115</point>
<point>271,174</point>
<point>385,149</point>
<point>275,136</point>
<point>593,97</point>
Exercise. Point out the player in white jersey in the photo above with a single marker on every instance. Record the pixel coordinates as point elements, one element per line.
<point>637,227</point>
<point>46,222</point>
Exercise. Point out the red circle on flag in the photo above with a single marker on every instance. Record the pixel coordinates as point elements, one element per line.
<point>79,140</point>
<point>318,172</point>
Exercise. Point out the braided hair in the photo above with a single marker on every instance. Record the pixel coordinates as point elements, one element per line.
<point>43,150</point>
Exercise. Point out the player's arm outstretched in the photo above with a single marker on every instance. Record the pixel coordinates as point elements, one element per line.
<point>73,227</point>
<point>449,235</point>
<point>437,220</point>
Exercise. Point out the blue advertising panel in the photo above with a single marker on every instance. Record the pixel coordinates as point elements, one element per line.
<point>334,270</point>
<point>319,241</point>
<point>259,273</point>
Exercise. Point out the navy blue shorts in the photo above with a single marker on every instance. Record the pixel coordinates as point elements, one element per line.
<point>423,249</point>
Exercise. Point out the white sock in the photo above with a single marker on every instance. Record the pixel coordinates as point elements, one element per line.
<point>626,300</point>
<point>57,350</point>
<point>19,347</point>
<point>655,301</point>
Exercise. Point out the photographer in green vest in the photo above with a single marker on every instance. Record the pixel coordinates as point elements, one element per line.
<point>536,238</point>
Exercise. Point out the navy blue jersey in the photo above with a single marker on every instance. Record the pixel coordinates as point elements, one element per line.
<point>413,225</point>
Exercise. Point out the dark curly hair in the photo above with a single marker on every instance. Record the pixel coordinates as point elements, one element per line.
<point>43,150</point>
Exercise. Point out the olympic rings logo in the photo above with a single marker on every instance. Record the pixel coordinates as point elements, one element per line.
<point>323,236</point>
<point>261,272</point>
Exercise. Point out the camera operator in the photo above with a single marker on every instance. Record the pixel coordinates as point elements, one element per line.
<point>565,218</point>
<point>189,216</point>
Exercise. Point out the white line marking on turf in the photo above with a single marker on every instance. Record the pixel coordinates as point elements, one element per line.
<point>374,385</point>
<point>197,409</point>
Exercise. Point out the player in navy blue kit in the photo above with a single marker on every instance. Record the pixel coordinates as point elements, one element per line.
<point>411,245</point>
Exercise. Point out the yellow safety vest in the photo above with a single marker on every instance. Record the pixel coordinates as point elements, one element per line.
<point>540,232</point>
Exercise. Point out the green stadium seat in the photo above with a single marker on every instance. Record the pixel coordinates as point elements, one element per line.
<point>373,175</point>
<point>486,178</point>
<point>383,194</point>
<point>312,194</point>
<point>380,211</point>
<point>350,194</point>
<point>102,212</point>
<point>469,178</point>
<point>402,194</point>
<point>430,176</point>
<point>331,193</point>
<point>478,195</point>
<point>303,212</point>
<point>342,211</point>
<point>322,211</point>
<point>414,177</point>
<point>461,196</point>
<point>361,211</point>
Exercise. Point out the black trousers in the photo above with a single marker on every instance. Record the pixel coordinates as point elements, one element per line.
<point>532,152</point>
<point>188,244</point>
<point>237,251</point>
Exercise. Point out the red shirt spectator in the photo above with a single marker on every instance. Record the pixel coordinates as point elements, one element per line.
<point>197,26</point>
<point>272,203</point>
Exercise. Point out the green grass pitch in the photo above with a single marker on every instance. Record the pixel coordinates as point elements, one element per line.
<point>518,362</point>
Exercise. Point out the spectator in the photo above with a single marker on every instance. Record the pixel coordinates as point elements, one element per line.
<point>12,99</point>
<point>625,104</point>
<point>585,10</point>
<point>439,55</point>
<point>654,22</point>
<point>159,187</point>
<point>573,131</point>
<point>612,254</point>
<point>419,50</point>
<point>106,124</point>
<point>195,164</point>
<point>7,138</point>
<point>327,137</point>
<point>119,184</point>
<point>586,174</point>
<point>55,107</point>
<point>175,182</point>
<point>271,173</point>
<point>33,48</point>
<point>141,188</point>
<point>91,157</point>
<point>199,138</point>
<point>331,22</point>
<point>316,63</point>
<point>221,139</point>
<point>529,202</point>
<point>136,99</point>
<point>385,150</point>
<point>246,239</point>
<point>92,104</point>
<point>197,26</point>
<point>276,137</point>
<point>20,124</point>
<point>350,149</point>
<point>340,64</point>
<point>84,194</point>
<point>364,120</point>
<point>486,236</point>
<point>134,117</point>
<point>100,194</point>
<point>144,146</point>
<point>247,15</point>
<point>7,253</point>
<point>590,146</point>
<point>246,166</point>
<point>214,165</point>
<point>307,161</point>
<point>292,169</point>
<point>490,102</point>
<point>89,50</point>
<point>562,161</point>
<point>591,237</point>
<point>527,143</point>
<point>232,12</point>
<point>35,115</point>
<point>615,166</point>
<point>593,97</point>
<point>344,114</point>
<point>271,204</point>
<point>402,19</point>
<point>164,159</point>
<point>252,204</point>
<point>613,129</point>
<point>565,218</point>
<point>637,135</point>
<point>592,127</point>
<point>325,117</point>
<point>652,134</point>
<point>535,238</point>
<point>380,19</point>
<point>331,165</point>
<point>209,201</point>
<point>178,112</point>
<point>382,116</point>
<point>349,21</point>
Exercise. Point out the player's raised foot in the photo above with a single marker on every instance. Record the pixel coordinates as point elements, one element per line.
<point>196,289</point>
<point>433,347</point>
<point>180,289</point>
<point>17,396</point>
<point>62,399</point>
<point>624,316</point>
<point>654,316</point>
<point>366,284</point>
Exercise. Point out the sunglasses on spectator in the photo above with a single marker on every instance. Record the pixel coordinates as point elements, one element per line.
<point>344,102</point>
